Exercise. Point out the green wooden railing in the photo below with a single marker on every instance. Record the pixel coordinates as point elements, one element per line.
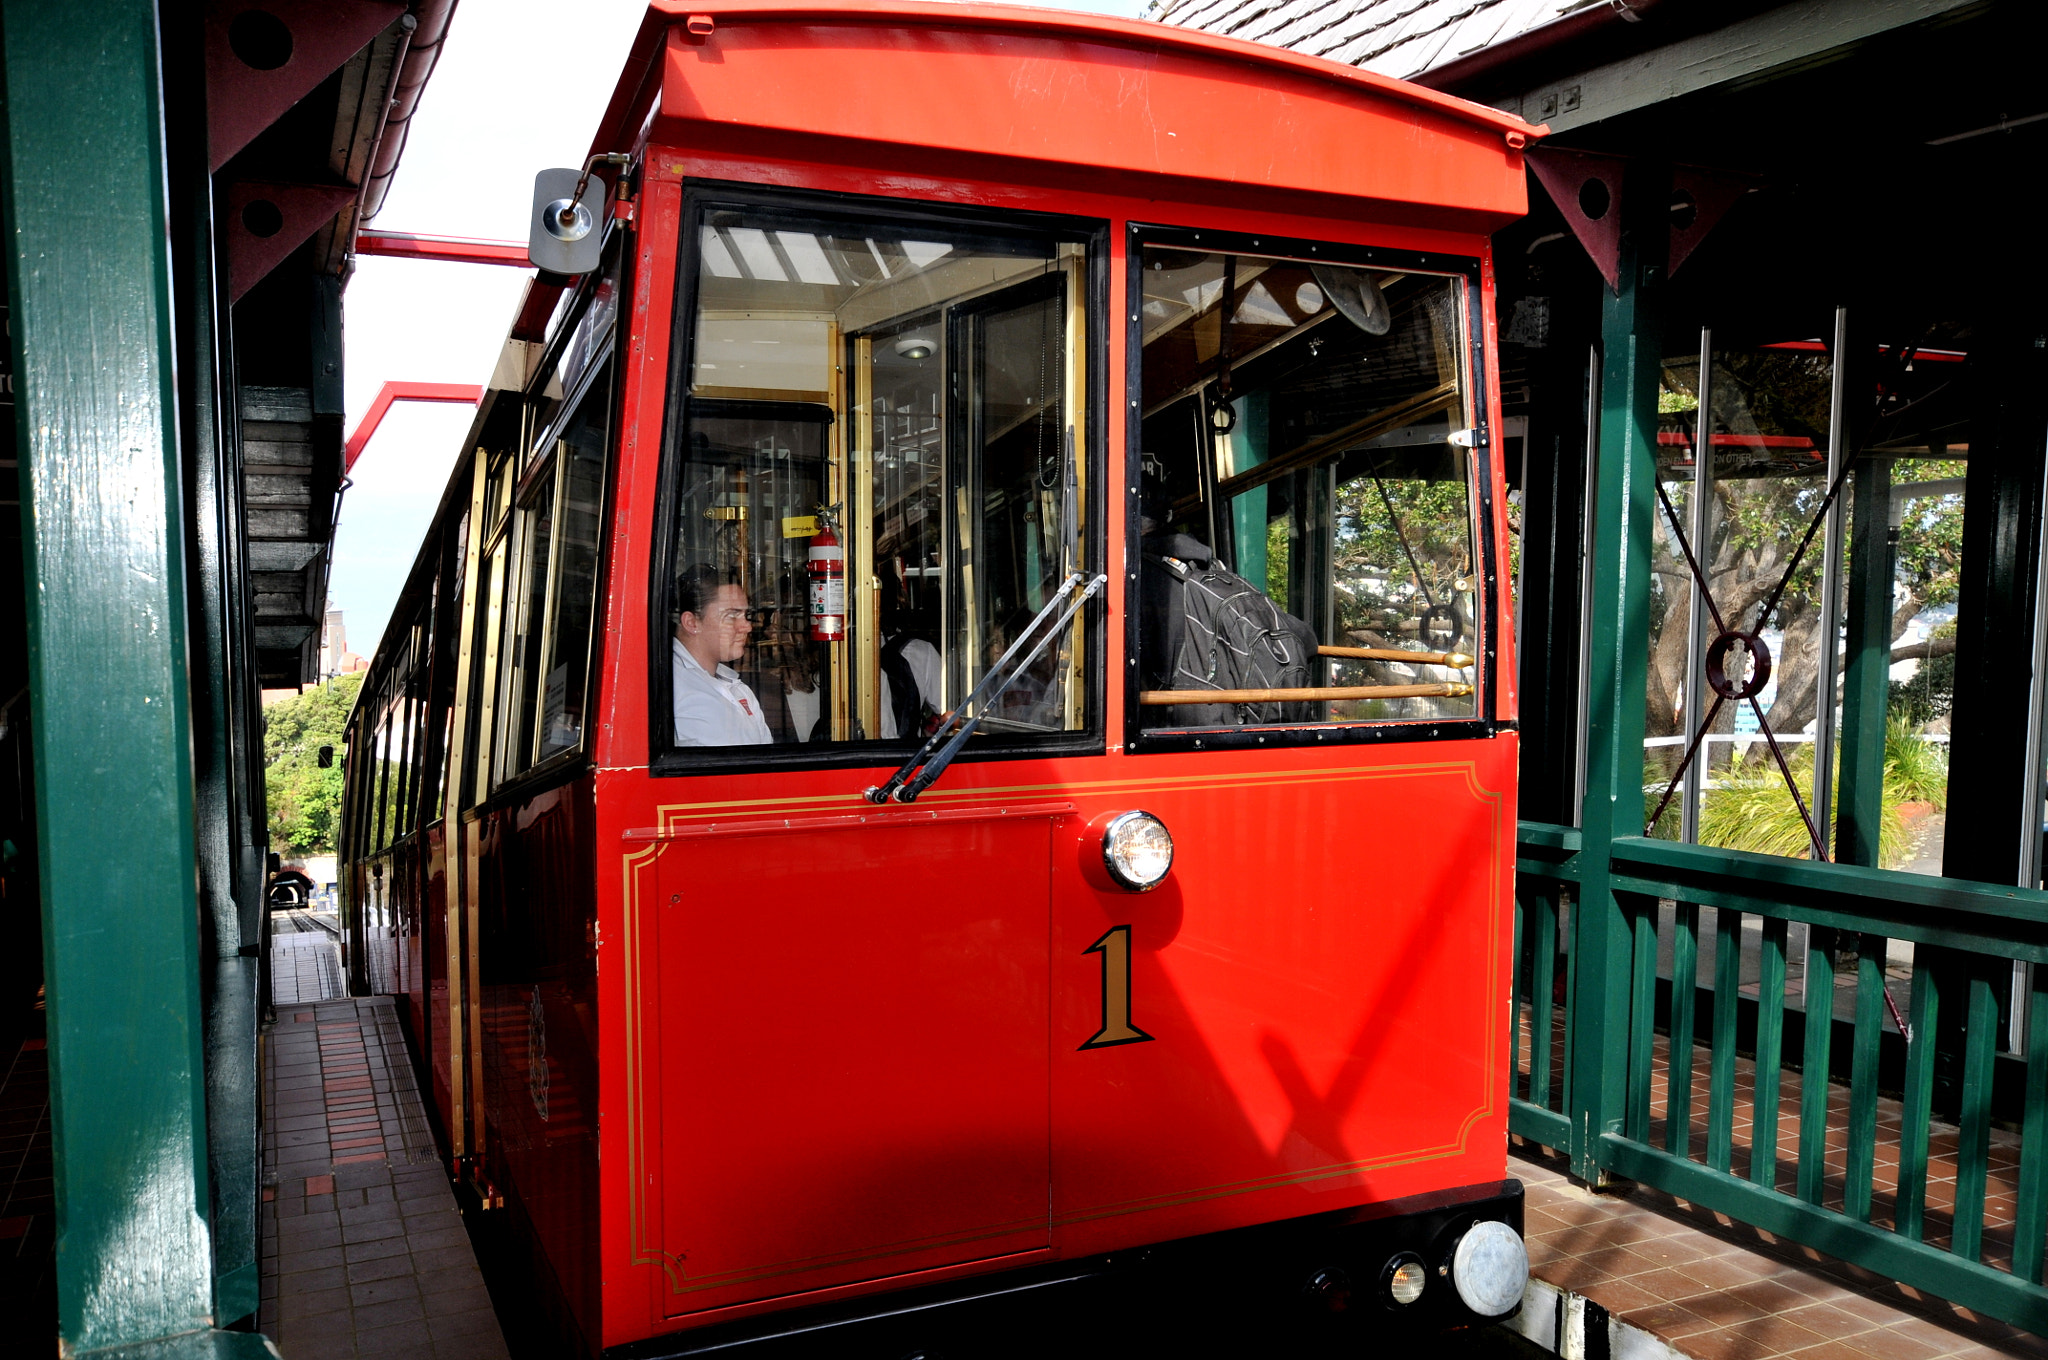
<point>1950,1197</point>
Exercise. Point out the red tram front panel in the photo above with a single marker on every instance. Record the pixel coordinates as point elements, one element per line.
<point>952,1042</point>
<point>853,1070</point>
<point>1318,984</point>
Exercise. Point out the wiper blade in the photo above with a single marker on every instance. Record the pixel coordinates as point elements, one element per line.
<point>942,745</point>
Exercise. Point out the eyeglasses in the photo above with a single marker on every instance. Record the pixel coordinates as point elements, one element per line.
<point>759,617</point>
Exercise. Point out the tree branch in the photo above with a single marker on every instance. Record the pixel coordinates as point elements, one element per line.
<point>1925,649</point>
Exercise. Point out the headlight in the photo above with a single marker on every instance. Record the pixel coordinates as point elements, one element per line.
<point>1137,851</point>
<point>1490,1268</point>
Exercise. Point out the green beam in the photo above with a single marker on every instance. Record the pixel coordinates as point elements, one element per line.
<point>1866,680</point>
<point>1624,502</point>
<point>89,274</point>
<point>1890,896</point>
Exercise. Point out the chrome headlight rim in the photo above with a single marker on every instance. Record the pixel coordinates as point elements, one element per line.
<point>1120,825</point>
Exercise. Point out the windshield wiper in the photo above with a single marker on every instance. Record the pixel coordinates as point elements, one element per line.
<point>945,743</point>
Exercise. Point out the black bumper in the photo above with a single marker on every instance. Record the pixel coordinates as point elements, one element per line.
<point>1310,1280</point>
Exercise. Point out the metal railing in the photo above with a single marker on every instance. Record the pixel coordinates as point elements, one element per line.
<point>1938,1173</point>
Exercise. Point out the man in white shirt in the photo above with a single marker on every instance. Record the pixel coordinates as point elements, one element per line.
<point>713,706</point>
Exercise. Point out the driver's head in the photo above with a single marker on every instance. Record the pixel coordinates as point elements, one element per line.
<point>711,618</point>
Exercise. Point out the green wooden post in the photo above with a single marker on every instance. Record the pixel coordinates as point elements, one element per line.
<point>1624,504</point>
<point>1861,1157</point>
<point>88,269</point>
<point>1867,675</point>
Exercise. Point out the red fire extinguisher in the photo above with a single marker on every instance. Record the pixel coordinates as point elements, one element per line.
<point>827,569</point>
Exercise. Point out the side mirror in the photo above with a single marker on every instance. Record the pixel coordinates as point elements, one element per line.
<point>326,757</point>
<point>565,234</point>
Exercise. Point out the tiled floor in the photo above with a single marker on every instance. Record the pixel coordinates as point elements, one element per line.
<point>365,1251</point>
<point>1719,1290</point>
<point>28,1283</point>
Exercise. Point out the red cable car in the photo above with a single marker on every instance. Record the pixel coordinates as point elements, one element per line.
<point>953,734</point>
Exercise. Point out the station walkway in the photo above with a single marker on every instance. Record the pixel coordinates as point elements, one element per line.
<point>28,1206</point>
<point>364,1250</point>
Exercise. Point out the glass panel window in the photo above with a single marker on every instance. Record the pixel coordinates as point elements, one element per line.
<point>877,490</point>
<point>580,456</point>
<point>1306,499</point>
<point>525,621</point>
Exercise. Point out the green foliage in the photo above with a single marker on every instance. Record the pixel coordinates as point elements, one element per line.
<point>304,800</point>
<point>1931,691</point>
<point>1930,551</point>
<point>1915,771</point>
<point>1399,543</point>
<point>1750,809</point>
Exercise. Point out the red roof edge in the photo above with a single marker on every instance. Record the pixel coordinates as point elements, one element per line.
<point>1103,28</point>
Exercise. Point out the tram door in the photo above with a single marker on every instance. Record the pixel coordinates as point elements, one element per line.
<point>852,1007</point>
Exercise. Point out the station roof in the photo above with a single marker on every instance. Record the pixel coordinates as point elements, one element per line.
<point>306,105</point>
<point>1399,38</point>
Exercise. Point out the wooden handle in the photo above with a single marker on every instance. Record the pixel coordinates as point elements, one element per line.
<point>1455,660</point>
<point>1160,698</point>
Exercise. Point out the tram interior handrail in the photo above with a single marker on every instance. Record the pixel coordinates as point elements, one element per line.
<point>1457,661</point>
<point>1163,698</point>
<point>995,682</point>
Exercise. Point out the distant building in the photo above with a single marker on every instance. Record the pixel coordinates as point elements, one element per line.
<point>335,657</point>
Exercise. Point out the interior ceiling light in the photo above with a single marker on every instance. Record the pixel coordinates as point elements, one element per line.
<point>915,347</point>
<point>1357,298</point>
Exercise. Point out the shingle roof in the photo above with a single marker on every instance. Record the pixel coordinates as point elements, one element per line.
<point>1400,38</point>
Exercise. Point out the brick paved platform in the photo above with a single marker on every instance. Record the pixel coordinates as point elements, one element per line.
<point>1679,1280</point>
<point>364,1251</point>
<point>28,1207</point>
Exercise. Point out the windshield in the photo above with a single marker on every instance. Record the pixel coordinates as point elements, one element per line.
<point>1307,508</point>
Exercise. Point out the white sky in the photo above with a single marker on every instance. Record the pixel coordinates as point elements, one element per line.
<point>518,90</point>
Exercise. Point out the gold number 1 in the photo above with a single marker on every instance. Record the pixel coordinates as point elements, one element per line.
<point>1115,948</point>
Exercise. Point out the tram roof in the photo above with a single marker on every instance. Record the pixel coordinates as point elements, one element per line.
<point>1055,88</point>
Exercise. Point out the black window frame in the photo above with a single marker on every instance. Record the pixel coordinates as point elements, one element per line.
<point>1485,721</point>
<point>805,206</point>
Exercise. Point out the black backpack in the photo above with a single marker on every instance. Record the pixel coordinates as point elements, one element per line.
<point>912,712</point>
<point>1206,627</point>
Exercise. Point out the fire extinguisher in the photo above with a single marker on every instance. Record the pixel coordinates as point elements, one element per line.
<point>827,568</point>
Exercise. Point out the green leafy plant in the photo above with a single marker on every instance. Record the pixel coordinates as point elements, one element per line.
<point>304,800</point>
<point>1751,809</point>
<point>1915,770</point>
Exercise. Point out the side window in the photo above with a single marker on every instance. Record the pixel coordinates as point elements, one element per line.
<point>579,454</point>
<point>496,509</point>
<point>878,484</point>
<point>441,673</point>
<point>539,571</point>
<point>551,586</point>
<point>1306,499</point>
